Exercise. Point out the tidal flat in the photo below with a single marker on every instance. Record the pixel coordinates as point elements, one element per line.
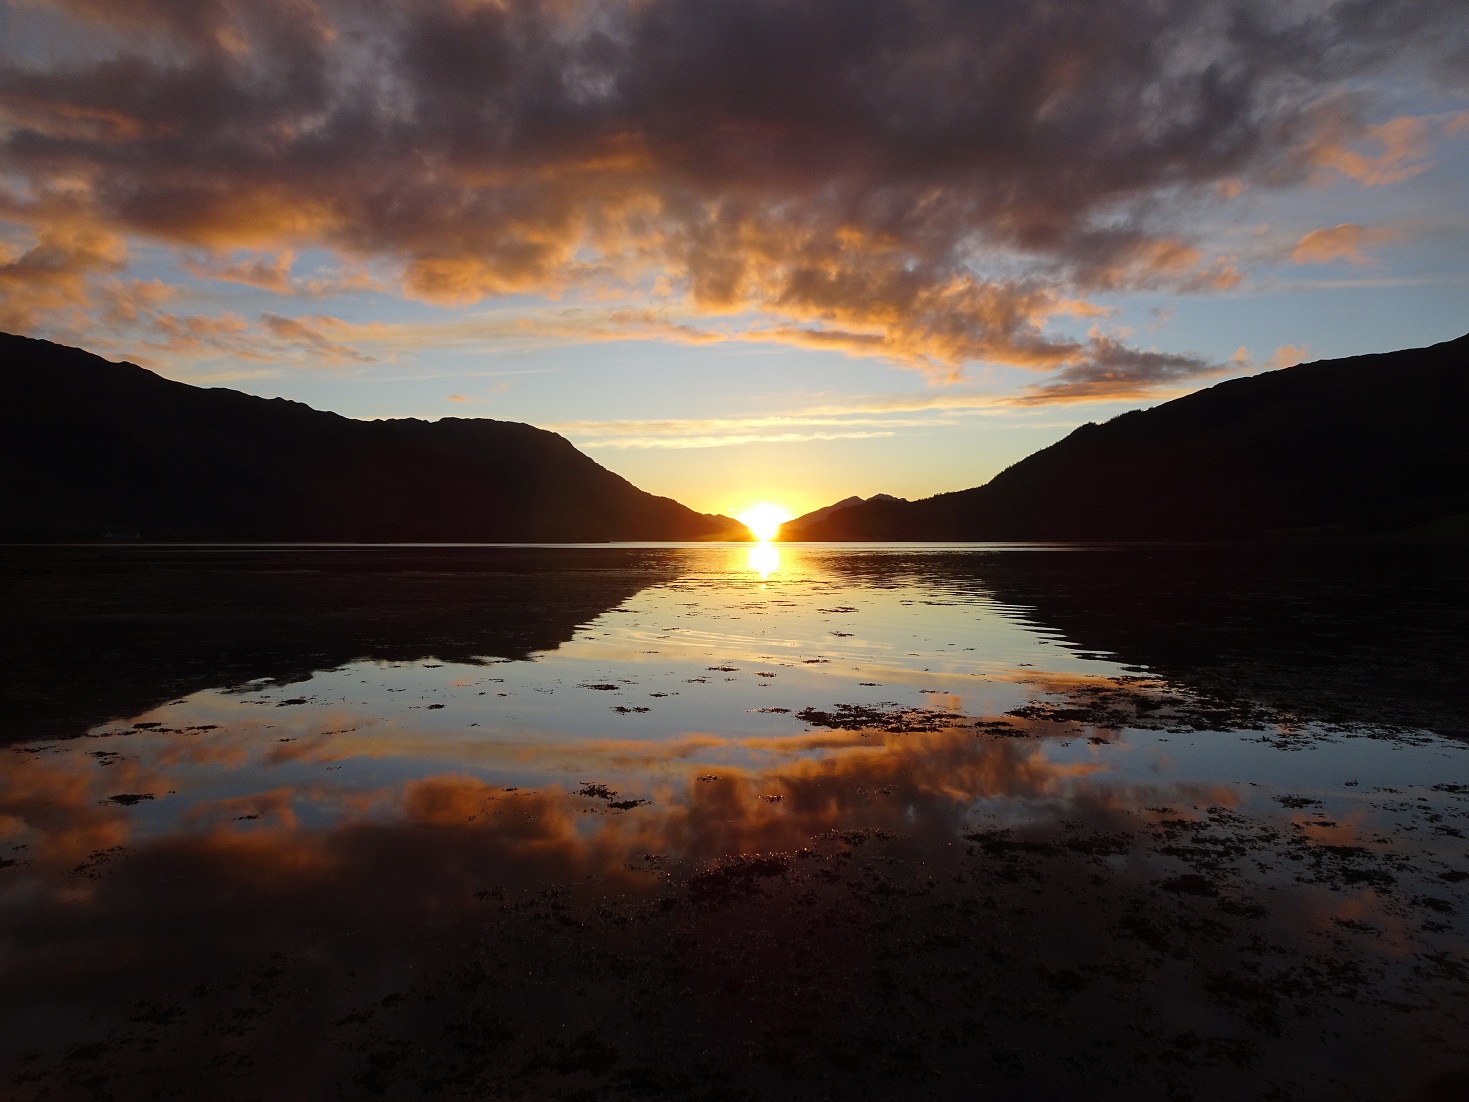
<point>735,822</point>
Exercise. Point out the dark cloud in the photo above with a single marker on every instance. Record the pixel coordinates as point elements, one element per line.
<point>932,180</point>
<point>1106,370</point>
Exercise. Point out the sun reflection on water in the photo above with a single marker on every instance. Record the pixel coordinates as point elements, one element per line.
<point>764,559</point>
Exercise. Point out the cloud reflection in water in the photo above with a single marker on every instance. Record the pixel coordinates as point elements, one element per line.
<point>720,817</point>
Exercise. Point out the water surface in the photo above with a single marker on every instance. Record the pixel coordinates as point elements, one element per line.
<point>735,821</point>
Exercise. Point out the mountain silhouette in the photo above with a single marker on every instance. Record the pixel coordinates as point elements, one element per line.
<point>836,507</point>
<point>1368,443</point>
<point>94,449</point>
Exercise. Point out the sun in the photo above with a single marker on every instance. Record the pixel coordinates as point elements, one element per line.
<point>764,519</point>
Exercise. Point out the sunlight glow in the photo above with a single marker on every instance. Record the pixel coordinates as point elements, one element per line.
<point>764,559</point>
<point>764,519</point>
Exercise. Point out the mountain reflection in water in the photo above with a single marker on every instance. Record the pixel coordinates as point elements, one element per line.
<point>624,822</point>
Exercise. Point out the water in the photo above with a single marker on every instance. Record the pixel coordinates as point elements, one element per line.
<point>735,821</point>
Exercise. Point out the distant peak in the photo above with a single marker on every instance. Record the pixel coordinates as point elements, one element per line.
<point>836,507</point>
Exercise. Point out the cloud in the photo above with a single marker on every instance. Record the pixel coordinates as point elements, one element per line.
<point>310,334</point>
<point>1112,372</point>
<point>270,274</point>
<point>1288,355</point>
<point>139,326</point>
<point>725,441</point>
<point>1343,242</point>
<point>707,426</point>
<point>934,182</point>
<point>907,338</point>
<point>865,416</point>
<point>50,272</point>
<point>1403,147</point>
<point>273,272</point>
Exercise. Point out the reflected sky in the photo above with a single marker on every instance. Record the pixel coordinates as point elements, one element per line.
<point>755,704</point>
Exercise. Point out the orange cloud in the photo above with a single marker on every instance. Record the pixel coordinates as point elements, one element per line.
<point>967,198</point>
<point>52,273</point>
<point>1402,143</point>
<point>310,334</point>
<point>273,274</point>
<point>1288,355</point>
<point>1342,242</point>
<point>139,327</point>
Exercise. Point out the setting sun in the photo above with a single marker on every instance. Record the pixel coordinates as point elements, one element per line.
<point>764,519</point>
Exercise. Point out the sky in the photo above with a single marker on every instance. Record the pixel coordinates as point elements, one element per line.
<point>737,250</point>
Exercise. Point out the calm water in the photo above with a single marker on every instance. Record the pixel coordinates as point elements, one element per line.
<point>735,821</point>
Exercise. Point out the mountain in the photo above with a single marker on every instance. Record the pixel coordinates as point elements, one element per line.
<point>1368,443</point>
<point>846,503</point>
<point>93,449</point>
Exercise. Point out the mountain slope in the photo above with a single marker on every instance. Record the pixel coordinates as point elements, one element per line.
<point>1365,443</point>
<point>827,511</point>
<point>91,448</point>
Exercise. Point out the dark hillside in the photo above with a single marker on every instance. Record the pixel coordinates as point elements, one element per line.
<point>1368,443</point>
<point>94,449</point>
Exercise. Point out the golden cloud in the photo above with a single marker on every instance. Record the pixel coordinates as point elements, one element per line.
<point>934,184</point>
<point>1341,242</point>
